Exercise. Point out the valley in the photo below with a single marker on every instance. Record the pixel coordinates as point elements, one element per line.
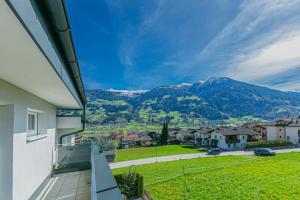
<point>215,101</point>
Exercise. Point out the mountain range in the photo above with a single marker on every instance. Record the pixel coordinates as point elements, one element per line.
<point>219,98</point>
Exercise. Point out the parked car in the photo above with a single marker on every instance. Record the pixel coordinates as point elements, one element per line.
<point>214,151</point>
<point>264,152</point>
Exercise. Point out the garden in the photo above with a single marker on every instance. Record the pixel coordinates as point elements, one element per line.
<point>228,177</point>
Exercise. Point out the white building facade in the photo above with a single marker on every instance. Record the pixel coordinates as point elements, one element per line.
<point>284,129</point>
<point>231,138</point>
<point>35,80</point>
<point>240,142</point>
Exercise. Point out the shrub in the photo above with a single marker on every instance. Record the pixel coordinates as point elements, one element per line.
<point>266,143</point>
<point>118,178</point>
<point>131,184</point>
<point>140,186</point>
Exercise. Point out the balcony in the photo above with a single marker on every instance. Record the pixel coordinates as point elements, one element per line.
<point>74,185</point>
<point>81,173</point>
<point>232,139</point>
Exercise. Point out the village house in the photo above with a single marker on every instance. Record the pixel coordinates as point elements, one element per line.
<point>259,128</point>
<point>181,136</point>
<point>284,129</point>
<point>202,136</point>
<point>134,139</point>
<point>231,138</point>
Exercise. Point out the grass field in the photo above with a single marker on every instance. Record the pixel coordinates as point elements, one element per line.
<point>148,152</point>
<point>230,177</point>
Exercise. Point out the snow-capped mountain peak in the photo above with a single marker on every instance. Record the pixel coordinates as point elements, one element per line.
<point>128,93</point>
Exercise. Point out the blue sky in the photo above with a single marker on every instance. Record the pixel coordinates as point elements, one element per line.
<point>134,44</point>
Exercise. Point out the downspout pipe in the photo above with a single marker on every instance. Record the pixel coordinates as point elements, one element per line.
<point>69,134</point>
<point>75,132</point>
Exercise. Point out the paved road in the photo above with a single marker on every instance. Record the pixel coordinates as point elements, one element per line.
<point>187,156</point>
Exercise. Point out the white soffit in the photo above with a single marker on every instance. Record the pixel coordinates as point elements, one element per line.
<point>23,64</point>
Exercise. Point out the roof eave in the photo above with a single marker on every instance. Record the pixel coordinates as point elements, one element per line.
<point>55,16</point>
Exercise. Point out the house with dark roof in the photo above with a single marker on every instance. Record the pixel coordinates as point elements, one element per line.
<point>284,129</point>
<point>259,128</point>
<point>202,136</point>
<point>181,136</point>
<point>231,138</point>
<point>134,139</point>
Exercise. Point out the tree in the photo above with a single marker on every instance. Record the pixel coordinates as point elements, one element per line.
<point>153,135</point>
<point>164,134</point>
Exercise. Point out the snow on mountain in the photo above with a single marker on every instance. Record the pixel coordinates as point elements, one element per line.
<point>128,93</point>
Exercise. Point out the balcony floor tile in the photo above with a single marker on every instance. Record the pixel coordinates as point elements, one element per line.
<point>69,186</point>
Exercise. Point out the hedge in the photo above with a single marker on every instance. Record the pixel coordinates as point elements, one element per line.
<point>131,184</point>
<point>268,144</point>
<point>140,188</point>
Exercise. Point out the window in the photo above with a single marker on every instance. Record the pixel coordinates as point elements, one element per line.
<point>32,123</point>
<point>215,137</point>
<point>228,145</point>
<point>220,137</point>
<point>288,137</point>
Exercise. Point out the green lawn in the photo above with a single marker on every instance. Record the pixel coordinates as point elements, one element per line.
<point>230,177</point>
<point>148,152</point>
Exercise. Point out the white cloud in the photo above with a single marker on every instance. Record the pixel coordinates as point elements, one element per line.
<point>271,60</point>
<point>260,43</point>
<point>290,86</point>
<point>257,44</point>
<point>257,19</point>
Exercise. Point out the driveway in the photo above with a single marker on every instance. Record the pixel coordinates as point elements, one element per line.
<point>187,156</point>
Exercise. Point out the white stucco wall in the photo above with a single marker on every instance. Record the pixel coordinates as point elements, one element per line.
<point>281,133</point>
<point>196,137</point>
<point>31,161</point>
<point>180,137</point>
<point>243,141</point>
<point>271,133</point>
<point>223,145</point>
<point>221,140</point>
<point>292,134</point>
<point>6,151</point>
<point>68,122</point>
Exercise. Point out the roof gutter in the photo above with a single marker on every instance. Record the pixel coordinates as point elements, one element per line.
<point>55,14</point>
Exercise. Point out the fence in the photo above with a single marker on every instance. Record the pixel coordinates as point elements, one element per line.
<point>72,158</point>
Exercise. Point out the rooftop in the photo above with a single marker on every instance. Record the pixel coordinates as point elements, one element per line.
<point>136,137</point>
<point>291,122</point>
<point>236,131</point>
